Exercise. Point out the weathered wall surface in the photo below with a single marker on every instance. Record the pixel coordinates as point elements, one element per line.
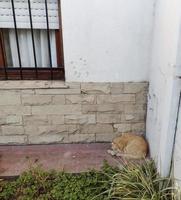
<point>107,40</point>
<point>163,94</point>
<point>56,112</point>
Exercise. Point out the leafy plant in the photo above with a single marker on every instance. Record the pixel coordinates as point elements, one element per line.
<point>37,184</point>
<point>140,182</point>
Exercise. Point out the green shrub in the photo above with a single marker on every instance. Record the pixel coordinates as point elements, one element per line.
<point>37,184</point>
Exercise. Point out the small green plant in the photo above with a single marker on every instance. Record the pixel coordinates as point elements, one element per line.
<point>140,182</point>
<point>37,184</point>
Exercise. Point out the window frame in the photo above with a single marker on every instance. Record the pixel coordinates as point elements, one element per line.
<point>39,73</point>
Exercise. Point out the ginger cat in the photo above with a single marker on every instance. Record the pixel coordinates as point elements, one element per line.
<point>130,146</point>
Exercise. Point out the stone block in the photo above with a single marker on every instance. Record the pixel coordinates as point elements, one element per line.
<point>58,99</point>
<point>133,109</point>
<point>95,88</point>
<point>9,92</point>
<point>3,120</point>
<point>106,108</point>
<point>73,129</point>
<point>129,117</point>
<point>14,119</point>
<point>138,117</point>
<point>141,97</point>
<point>117,88</point>
<point>8,99</point>
<point>121,128</point>
<point>106,99</point>
<point>73,85</point>
<point>58,91</point>
<point>13,139</point>
<point>36,99</point>
<point>85,138</point>
<point>45,130</point>
<point>48,139</point>
<point>80,119</point>
<point>56,109</point>
<point>12,130</point>
<point>105,137</point>
<point>135,87</point>
<point>35,120</point>
<point>96,129</point>
<point>80,99</point>
<point>21,85</point>
<point>108,118</point>
<point>139,127</point>
<point>27,91</point>
<point>18,110</point>
<point>51,129</point>
<point>56,119</point>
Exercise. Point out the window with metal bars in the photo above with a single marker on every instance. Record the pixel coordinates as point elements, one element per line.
<point>31,46</point>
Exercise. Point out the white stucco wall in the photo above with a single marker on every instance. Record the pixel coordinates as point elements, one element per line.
<point>164,89</point>
<point>106,40</point>
<point>126,40</point>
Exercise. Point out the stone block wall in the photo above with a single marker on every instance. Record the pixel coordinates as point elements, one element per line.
<point>38,112</point>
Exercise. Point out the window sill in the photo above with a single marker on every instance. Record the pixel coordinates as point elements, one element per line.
<point>22,85</point>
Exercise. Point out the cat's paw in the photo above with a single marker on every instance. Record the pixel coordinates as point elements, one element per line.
<point>111,152</point>
<point>119,154</point>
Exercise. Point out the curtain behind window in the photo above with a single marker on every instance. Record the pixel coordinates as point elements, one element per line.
<point>26,48</point>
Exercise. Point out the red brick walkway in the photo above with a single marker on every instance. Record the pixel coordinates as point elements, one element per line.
<point>69,157</point>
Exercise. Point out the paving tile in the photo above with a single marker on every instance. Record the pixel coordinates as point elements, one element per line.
<point>69,157</point>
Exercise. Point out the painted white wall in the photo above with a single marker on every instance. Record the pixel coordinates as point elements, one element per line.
<point>177,150</point>
<point>164,87</point>
<point>107,40</point>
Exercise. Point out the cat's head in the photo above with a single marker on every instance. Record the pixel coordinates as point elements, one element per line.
<point>118,144</point>
<point>115,144</point>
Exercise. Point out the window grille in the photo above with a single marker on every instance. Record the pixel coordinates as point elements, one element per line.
<point>31,44</point>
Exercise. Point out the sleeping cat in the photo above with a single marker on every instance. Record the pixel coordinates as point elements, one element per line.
<point>129,146</point>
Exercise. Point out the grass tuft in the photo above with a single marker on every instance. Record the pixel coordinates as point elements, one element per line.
<point>140,182</point>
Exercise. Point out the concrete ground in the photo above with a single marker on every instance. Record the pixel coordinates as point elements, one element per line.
<point>68,157</point>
